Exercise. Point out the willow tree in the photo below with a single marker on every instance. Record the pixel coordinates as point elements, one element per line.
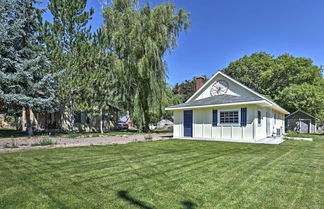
<point>140,36</point>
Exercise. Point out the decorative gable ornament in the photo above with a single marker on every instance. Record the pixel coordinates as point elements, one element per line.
<point>219,87</point>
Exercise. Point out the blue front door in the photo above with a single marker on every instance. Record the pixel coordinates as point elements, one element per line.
<point>187,123</point>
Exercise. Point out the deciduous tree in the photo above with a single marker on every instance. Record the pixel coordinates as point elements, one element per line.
<point>292,82</point>
<point>140,36</point>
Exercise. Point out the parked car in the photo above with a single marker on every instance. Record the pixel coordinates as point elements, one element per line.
<point>122,125</point>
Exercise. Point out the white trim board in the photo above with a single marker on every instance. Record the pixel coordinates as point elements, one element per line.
<point>217,105</point>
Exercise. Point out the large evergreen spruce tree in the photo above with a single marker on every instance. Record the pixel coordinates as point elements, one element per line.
<point>24,82</point>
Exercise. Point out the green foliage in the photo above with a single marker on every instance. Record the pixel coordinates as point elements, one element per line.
<point>11,145</point>
<point>292,82</point>
<point>89,80</point>
<point>98,86</point>
<point>148,138</point>
<point>313,136</point>
<point>139,37</point>
<point>67,40</point>
<point>186,89</point>
<point>306,97</point>
<point>157,111</point>
<point>44,142</point>
<point>24,82</point>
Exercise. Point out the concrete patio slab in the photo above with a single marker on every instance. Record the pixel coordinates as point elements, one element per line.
<point>270,140</point>
<point>299,138</point>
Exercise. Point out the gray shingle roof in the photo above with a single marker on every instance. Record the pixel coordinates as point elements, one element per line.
<point>216,100</point>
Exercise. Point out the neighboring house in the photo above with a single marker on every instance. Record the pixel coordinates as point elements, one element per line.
<point>61,121</point>
<point>301,122</point>
<point>164,124</point>
<point>225,109</point>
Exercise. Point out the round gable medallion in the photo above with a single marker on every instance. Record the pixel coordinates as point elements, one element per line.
<point>219,87</point>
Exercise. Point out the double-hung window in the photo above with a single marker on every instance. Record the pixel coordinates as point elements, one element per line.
<point>229,117</point>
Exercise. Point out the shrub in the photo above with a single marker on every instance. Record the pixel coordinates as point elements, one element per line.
<point>148,138</point>
<point>12,144</point>
<point>44,142</point>
<point>292,133</point>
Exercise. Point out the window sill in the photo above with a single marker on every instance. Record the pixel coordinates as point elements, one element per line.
<point>229,124</point>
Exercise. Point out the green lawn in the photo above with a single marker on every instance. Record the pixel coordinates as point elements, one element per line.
<point>166,174</point>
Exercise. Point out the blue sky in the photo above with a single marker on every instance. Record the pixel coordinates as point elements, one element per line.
<point>222,31</point>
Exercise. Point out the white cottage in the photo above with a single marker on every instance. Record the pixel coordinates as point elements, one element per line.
<point>225,109</point>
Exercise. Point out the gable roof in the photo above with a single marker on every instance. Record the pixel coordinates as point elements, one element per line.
<point>301,112</point>
<point>199,91</point>
<point>217,100</point>
<point>231,79</point>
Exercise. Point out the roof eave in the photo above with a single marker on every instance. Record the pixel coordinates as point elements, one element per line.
<point>302,112</point>
<point>280,109</point>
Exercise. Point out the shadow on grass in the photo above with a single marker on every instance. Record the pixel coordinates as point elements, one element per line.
<point>11,133</point>
<point>188,205</point>
<point>124,195</point>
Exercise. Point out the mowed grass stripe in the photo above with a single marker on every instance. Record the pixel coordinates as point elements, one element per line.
<point>229,178</point>
<point>236,187</point>
<point>164,174</point>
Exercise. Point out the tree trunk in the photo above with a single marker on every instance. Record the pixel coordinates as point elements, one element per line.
<point>17,122</point>
<point>101,121</point>
<point>28,122</point>
<point>72,116</point>
<point>145,107</point>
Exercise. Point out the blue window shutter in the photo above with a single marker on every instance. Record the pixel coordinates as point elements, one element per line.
<point>243,116</point>
<point>214,117</point>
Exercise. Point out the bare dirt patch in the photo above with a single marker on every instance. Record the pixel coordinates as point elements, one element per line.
<point>23,144</point>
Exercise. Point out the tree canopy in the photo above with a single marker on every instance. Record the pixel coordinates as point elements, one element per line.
<point>186,88</point>
<point>292,82</point>
<point>24,80</point>
<point>139,36</point>
<point>122,64</point>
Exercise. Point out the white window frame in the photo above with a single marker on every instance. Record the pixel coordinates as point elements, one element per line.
<point>229,124</point>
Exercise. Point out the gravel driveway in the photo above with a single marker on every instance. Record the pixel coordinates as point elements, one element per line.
<point>25,143</point>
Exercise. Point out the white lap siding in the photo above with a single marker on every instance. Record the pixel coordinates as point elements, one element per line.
<point>274,124</point>
<point>203,128</point>
<point>178,124</point>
